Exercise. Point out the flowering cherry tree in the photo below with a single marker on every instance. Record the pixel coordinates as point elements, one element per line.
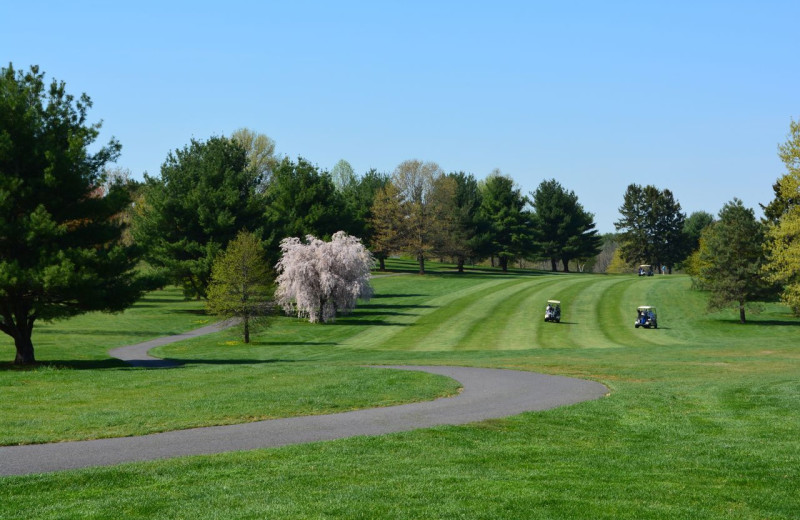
<point>317,279</point>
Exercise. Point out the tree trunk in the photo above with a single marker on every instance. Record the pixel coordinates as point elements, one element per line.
<point>504,263</point>
<point>246,330</point>
<point>741,312</point>
<point>553,264</point>
<point>565,261</point>
<point>421,259</point>
<point>24,349</point>
<point>382,264</point>
<point>460,264</point>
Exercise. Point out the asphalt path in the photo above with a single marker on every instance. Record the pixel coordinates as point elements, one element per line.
<point>486,394</point>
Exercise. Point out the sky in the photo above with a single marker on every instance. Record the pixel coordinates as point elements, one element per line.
<point>693,97</point>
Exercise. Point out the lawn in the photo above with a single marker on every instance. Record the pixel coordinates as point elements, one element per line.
<point>702,421</point>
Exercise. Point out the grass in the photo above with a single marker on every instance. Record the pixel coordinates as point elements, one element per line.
<point>702,421</point>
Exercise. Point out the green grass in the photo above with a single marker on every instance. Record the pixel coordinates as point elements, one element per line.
<point>702,421</point>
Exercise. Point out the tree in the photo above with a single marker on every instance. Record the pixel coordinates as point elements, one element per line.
<point>693,227</point>
<point>424,205</point>
<point>205,195</point>
<point>502,207</point>
<point>783,235</point>
<point>563,230</point>
<point>317,279</point>
<point>651,227</point>
<point>301,201</point>
<point>241,283</point>
<point>731,258</point>
<point>464,241</point>
<point>343,175</point>
<point>260,151</point>
<point>386,221</point>
<point>60,232</point>
<point>358,199</point>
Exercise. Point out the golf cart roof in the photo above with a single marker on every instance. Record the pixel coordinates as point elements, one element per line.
<point>645,308</point>
<point>557,302</point>
<point>645,265</point>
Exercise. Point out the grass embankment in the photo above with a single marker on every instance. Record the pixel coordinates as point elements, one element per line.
<point>702,421</point>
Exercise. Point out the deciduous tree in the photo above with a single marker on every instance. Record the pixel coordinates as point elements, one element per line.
<point>241,283</point>
<point>731,258</point>
<point>317,279</point>
<point>783,236</point>
<point>260,151</point>
<point>60,231</point>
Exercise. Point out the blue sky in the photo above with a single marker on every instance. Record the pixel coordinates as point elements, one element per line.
<point>690,96</point>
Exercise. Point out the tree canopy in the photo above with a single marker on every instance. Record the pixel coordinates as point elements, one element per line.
<point>651,227</point>
<point>301,201</point>
<point>783,236</point>
<point>241,283</point>
<point>503,209</point>
<point>731,257</point>
<point>318,279</point>
<point>60,231</point>
<point>205,195</point>
<point>562,229</point>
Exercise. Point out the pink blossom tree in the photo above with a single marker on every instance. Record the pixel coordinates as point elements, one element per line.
<point>317,279</point>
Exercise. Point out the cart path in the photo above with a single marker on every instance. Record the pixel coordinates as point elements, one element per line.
<point>487,394</point>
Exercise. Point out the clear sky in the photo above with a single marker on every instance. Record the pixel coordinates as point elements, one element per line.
<point>691,96</point>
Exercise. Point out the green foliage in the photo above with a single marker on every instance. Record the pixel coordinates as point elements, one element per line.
<point>260,151</point>
<point>205,195</point>
<point>730,261</point>
<point>241,283</point>
<point>651,227</point>
<point>301,201</point>
<point>60,230</point>
<point>563,230</point>
<point>783,237</point>
<point>503,209</point>
<point>358,199</point>
<point>465,239</point>
<point>343,176</point>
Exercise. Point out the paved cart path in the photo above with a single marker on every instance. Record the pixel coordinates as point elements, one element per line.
<point>487,394</point>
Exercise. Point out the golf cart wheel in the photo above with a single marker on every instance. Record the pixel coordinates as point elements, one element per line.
<point>636,325</point>
<point>558,320</point>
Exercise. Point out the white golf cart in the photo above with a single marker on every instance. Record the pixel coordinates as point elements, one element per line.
<point>553,311</point>
<point>645,270</point>
<point>646,317</point>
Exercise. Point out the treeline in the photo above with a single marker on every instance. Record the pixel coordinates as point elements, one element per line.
<point>210,190</point>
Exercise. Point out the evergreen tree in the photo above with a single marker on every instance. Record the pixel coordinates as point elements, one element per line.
<point>503,208</point>
<point>60,231</point>
<point>205,195</point>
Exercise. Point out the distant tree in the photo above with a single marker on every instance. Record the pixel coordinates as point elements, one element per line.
<point>651,227</point>
<point>468,230</point>
<point>783,235</point>
<point>317,279</point>
<point>386,220</point>
<point>503,208</point>
<point>343,175</point>
<point>241,283</point>
<point>60,232</point>
<point>609,247</point>
<point>731,258</point>
<point>260,151</point>
<point>563,230</point>
<point>205,195</point>
<point>693,227</point>
<point>301,201</point>
<point>358,199</point>
<point>424,207</point>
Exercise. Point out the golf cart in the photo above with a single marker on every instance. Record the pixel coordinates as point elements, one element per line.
<point>553,311</point>
<point>645,270</point>
<point>646,317</point>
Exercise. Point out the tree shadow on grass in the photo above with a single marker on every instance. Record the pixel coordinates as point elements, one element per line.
<point>112,332</point>
<point>756,323</point>
<point>392,295</point>
<point>366,322</point>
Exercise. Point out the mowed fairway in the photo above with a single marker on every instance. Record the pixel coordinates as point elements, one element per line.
<point>703,420</point>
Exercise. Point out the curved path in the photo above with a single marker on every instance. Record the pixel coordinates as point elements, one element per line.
<point>487,394</point>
